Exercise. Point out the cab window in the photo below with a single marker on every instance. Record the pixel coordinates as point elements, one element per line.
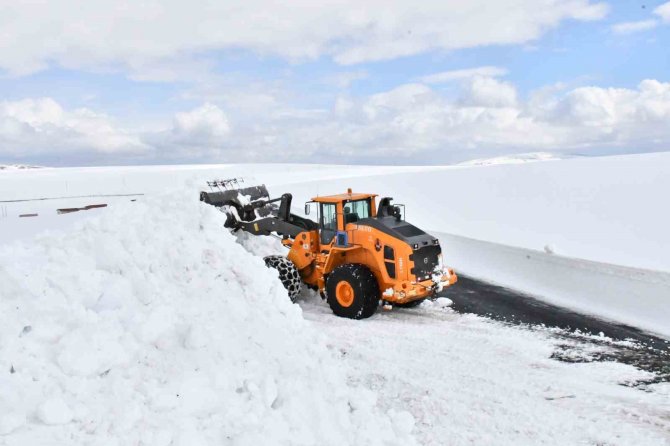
<point>356,210</point>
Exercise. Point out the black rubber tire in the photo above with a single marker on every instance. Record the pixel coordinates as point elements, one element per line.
<point>366,291</point>
<point>288,274</point>
<point>412,304</point>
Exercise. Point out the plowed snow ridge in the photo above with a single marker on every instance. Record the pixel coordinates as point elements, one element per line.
<point>151,325</point>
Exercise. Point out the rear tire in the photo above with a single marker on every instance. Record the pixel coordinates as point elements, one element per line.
<point>288,274</point>
<point>352,291</point>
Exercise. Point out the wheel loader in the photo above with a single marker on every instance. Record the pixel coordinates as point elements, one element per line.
<point>358,251</point>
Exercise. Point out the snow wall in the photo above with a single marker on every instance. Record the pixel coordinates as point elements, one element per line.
<point>636,297</point>
<point>150,324</point>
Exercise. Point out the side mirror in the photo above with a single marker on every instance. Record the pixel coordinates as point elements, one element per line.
<point>306,208</point>
<point>397,213</point>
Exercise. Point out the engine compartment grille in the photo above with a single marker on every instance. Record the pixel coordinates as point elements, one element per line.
<point>425,260</point>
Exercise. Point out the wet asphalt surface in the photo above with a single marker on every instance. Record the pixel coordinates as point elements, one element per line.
<point>580,337</point>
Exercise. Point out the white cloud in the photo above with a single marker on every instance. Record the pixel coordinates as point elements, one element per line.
<point>616,110</point>
<point>663,11</point>
<point>32,127</point>
<point>206,124</point>
<point>489,92</point>
<point>148,39</point>
<point>633,27</point>
<point>467,73</point>
<point>199,133</point>
<point>346,78</point>
<point>410,120</point>
<point>411,123</point>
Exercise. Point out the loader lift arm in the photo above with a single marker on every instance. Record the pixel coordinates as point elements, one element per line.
<point>271,219</point>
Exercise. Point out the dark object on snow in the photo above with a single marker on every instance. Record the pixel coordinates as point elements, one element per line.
<point>85,208</point>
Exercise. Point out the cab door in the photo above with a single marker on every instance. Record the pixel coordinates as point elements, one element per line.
<point>328,222</point>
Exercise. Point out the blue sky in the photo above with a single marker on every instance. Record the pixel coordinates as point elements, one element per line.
<point>239,96</point>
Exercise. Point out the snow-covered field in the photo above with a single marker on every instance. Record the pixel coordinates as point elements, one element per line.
<point>512,159</point>
<point>146,323</point>
<point>17,167</point>
<point>609,210</point>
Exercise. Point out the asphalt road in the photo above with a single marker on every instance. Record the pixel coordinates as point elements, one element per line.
<point>604,340</point>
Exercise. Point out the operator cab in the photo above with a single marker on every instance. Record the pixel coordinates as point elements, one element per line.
<point>336,211</point>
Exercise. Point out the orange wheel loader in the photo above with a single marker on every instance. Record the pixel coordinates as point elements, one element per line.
<point>358,252</point>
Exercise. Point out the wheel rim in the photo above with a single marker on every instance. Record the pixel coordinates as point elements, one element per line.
<point>344,293</point>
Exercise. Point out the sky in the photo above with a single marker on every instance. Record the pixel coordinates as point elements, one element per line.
<point>378,82</point>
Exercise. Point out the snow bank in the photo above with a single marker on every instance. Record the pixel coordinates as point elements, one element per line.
<point>150,325</point>
<point>631,296</point>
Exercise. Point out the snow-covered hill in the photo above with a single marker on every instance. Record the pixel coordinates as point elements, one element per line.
<point>18,167</point>
<point>512,159</point>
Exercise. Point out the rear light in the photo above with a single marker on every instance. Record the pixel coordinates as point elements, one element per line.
<point>436,242</point>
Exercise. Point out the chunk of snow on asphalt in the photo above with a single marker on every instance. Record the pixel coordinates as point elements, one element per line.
<point>150,324</point>
<point>443,302</point>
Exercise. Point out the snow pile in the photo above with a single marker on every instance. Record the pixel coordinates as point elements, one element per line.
<point>519,158</point>
<point>150,325</point>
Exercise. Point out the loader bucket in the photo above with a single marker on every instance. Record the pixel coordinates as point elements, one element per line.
<point>241,196</point>
<point>239,203</point>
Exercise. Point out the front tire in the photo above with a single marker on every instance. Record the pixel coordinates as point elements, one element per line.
<point>352,291</point>
<point>288,274</point>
